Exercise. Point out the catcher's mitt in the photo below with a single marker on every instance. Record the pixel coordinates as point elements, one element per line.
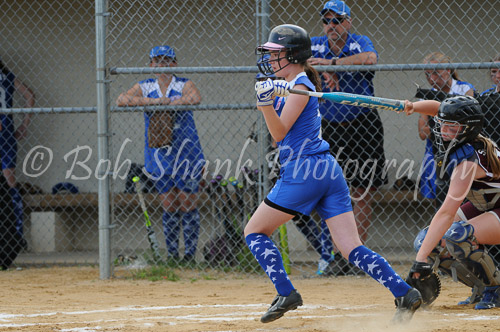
<point>427,283</point>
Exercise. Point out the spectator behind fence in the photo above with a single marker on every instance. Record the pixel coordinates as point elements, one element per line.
<point>490,103</point>
<point>9,83</point>
<point>173,155</point>
<point>355,134</point>
<point>473,164</point>
<point>444,83</point>
<point>293,121</point>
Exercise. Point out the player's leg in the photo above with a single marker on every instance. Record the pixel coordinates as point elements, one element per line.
<point>170,218</point>
<point>486,230</point>
<point>336,209</point>
<point>344,232</point>
<point>261,225</point>
<point>188,209</point>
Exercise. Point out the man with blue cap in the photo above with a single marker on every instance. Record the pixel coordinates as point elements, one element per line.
<point>355,134</point>
<point>172,155</point>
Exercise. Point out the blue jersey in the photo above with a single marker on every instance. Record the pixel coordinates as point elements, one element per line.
<point>185,153</point>
<point>310,177</point>
<point>351,82</point>
<point>304,137</point>
<point>7,89</point>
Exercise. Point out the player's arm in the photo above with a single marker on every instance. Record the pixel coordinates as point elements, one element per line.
<point>426,107</point>
<point>279,126</point>
<point>460,183</point>
<point>26,92</point>
<point>190,95</point>
<point>29,97</point>
<point>424,130</point>
<point>134,97</point>
<point>364,58</point>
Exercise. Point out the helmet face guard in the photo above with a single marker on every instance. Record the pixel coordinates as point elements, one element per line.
<point>290,40</point>
<point>444,141</point>
<point>264,62</point>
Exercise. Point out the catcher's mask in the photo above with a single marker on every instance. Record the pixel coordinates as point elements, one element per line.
<point>459,120</point>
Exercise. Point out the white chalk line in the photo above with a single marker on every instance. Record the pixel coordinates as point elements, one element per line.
<point>300,313</point>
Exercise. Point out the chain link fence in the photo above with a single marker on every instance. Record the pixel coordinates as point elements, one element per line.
<point>51,47</point>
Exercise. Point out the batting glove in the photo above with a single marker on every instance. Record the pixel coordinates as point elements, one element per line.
<point>265,92</point>
<point>281,88</point>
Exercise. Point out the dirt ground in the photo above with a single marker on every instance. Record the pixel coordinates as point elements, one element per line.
<point>75,299</point>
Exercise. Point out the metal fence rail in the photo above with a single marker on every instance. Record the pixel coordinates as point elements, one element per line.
<point>78,57</point>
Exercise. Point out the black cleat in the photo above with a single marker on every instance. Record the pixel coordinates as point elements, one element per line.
<point>280,305</point>
<point>407,305</point>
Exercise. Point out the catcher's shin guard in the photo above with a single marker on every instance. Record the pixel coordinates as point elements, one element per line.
<point>474,259</point>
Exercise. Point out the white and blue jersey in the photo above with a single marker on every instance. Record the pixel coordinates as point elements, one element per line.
<point>360,82</point>
<point>8,144</point>
<point>310,177</point>
<point>183,159</point>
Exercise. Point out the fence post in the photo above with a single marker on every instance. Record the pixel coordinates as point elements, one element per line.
<point>102,140</point>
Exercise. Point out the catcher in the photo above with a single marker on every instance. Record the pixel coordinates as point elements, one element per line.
<point>454,241</point>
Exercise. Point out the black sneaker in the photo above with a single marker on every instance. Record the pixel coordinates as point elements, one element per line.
<point>280,305</point>
<point>407,305</point>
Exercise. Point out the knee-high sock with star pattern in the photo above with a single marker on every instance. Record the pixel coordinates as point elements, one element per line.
<point>379,269</point>
<point>269,257</point>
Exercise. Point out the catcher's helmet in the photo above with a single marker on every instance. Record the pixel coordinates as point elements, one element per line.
<point>290,38</point>
<point>462,111</point>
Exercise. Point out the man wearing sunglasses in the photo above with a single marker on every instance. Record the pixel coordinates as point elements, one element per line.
<point>355,134</point>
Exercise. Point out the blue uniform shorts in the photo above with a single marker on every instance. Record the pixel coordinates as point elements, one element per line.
<point>187,184</point>
<point>311,182</point>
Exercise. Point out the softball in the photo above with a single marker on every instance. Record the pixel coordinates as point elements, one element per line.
<point>135,179</point>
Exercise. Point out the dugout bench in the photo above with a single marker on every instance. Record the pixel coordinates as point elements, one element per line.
<point>61,221</point>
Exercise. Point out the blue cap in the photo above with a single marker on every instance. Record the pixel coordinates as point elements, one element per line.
<point>64,187</point>
<point>336,6</point>
<point>162,51</point>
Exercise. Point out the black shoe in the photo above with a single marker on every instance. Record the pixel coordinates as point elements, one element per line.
<point>280,305</point>
<point>188,259</point>
<point>407,305</point>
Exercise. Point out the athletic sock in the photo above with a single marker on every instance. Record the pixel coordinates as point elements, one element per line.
<point>171,229</point>
<point>191,231</point>
<point>379,269</point>
<point>269,258</point>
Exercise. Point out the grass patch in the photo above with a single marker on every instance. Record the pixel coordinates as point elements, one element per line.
<point>156,273</point>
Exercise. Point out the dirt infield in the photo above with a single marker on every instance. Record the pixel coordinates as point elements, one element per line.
<point>75,299</point>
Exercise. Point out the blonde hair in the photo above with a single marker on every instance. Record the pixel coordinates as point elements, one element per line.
<point>441,58</point>
<point>491,155</point>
